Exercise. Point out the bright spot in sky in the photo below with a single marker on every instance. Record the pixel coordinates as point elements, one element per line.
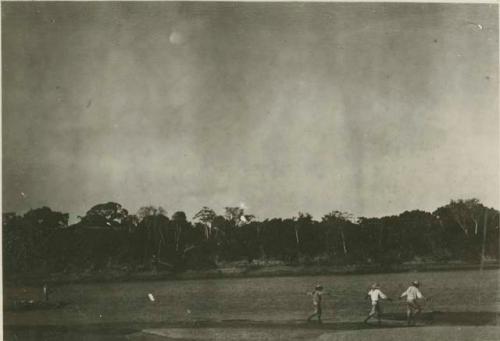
<point>176,38</point>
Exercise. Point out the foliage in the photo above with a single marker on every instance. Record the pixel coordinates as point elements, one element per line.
<point>109,214</point>
<point>107,236</point>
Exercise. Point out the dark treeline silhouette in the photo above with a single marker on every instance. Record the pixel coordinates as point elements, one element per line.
<point>108,237</point>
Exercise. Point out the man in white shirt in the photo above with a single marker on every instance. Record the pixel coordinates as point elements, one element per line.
<point>375,294</point>
<point>412,294</point>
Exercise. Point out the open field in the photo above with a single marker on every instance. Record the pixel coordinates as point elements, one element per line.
<point>241,269</point>
<point>250,307</point>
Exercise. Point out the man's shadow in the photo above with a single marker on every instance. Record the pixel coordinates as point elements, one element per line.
<point>462,318</point>
<point>398,320</point>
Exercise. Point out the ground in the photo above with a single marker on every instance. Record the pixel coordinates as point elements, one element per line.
<point>427,333</point>
<point>249,332</point>
<point>464,305</point>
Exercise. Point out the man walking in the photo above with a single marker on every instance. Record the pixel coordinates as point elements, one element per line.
<point>413,308</point>
<point>317,294</point>
<point>375,295</point>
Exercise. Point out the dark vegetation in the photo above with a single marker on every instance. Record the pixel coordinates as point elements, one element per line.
<point>108,237</point>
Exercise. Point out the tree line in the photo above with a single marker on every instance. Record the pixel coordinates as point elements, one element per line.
<point>109,236</point>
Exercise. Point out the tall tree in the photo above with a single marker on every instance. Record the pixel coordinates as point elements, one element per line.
<point>338,220</point>
<point>469,217</point>
<point>207,217</point>
<point>154,221</point>
<point>179,220</point>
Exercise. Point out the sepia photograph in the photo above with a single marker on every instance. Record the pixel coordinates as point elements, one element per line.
<point>203,170</point>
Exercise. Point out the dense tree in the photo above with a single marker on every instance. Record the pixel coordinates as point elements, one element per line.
<point>179,220</point>
<point>108,236</point>
<point>207,217</point>
<point>469,227</point>
<point>152,232</point>
<point>236,216</point>
<point>336,223</point>
<point>148,211</point>
<point>109,214</point>
<point>27,239</point>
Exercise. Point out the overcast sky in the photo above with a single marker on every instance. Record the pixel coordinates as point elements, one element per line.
<point>368,108</point>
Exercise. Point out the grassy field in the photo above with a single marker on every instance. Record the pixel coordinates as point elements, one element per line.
<point>109,309</point>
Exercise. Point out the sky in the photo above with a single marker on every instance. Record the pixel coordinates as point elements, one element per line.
<point>369,108</point>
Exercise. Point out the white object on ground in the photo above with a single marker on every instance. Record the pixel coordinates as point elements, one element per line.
<point>151,297</point>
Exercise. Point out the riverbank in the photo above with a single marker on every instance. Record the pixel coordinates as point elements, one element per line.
<point>237,270</point>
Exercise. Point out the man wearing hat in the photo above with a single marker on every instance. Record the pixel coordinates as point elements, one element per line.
<point>316,294</point>
<point>412,307</point>
<point>375,294</point>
